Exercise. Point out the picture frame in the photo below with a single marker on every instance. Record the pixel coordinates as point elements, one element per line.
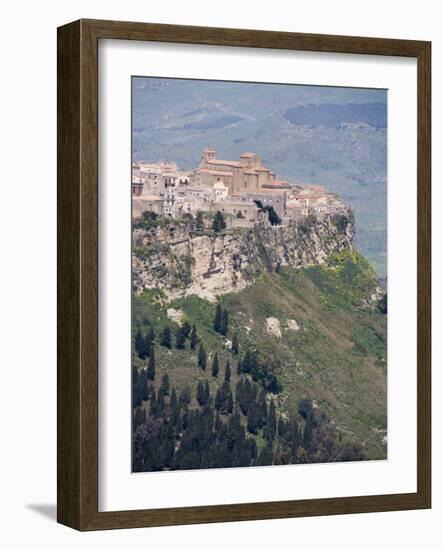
<point>78,277</point>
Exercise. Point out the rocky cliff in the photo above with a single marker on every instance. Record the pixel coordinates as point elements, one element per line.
<point>180,261</point>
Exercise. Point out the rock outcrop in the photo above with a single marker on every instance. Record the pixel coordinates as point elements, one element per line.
<point>180,261</point>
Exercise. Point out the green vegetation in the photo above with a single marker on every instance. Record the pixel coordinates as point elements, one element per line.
<point>346,280</point>
<point>370,342</point>
<point>224,431</point>
<point>332,370</point>
<point>145,252</point>
<point>342,221</point>
<point>272,215</point>
<point>219,223</point>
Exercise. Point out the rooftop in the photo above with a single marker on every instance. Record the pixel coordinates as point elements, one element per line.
<point>148,198</point>
<point>224,162</point>
<point>215,172</point>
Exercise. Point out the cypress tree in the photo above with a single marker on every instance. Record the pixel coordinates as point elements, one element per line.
<point>180,338</point>
<point>274,219</point>
<point>143,345</point>
<point>149,387</point>
<point>239,393</point>
<point>224,327</point>
<point>230,403</point>
<point>186,328</point>
<point>174,406</point>
<point>252,419</point>
<point>151,365</point>
<point>165,384</point>
<point>235,345</point>
<point>153,407</point>
<point>185,418</point>
<point>305,408</point>
<point>138,343</point>
<point>225,391</point>
<point>199,224</point>
<point>173,398</point>
<point>215,365</point>
<point>200,394</point>
<point>271,423</point>
<point>218,399</point>
<point>255,370</point>
<point>239,367</point>
<point>243,395</point>
<point>138,386</point>
<point>193,338</point>
<point>217,321</point>
<point>246,363</point>
<point>253,392</point>
<point>308,432</point>
<point>139,417</point>
<point>262,409</point>
<point>160,400</point>
<point>206,392</point>
<point>218,424</point>
<point>247,396</point>
<point>227,373</point>
<point>202,358</point>
<point>253,449</point>
<point>293,436</point>
<point>166,337</point>
<point>218,222</point>
<point>185,396</point>
<point>282,428</point>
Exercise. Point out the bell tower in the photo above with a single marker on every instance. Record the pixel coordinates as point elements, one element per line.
<point>207,154</point>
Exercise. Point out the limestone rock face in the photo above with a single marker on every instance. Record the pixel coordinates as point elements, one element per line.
<point>292,324</point>
<point>273,327</point>
<point>175,315</point>
<point>181,262</point>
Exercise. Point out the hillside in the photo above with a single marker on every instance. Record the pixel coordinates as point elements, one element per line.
<point>318,338</point>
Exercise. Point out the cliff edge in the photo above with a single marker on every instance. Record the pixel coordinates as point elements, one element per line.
<point>180,261</point>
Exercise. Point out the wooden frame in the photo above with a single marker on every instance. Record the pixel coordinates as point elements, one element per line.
<point>78,274</point>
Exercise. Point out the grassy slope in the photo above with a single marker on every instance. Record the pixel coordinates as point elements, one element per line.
<point>337,358</point>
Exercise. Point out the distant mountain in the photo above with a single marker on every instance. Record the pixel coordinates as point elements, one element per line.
<point>331,115</point>
<point>311,134</point>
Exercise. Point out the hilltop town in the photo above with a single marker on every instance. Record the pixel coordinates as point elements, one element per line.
<point>244,190</point>
<point>258,336</point>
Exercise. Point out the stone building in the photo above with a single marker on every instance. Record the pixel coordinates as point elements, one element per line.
<point>146,203</point>
<point>220,191</point>
<point>238,213</point>
<point>246,174</point>
<point>137,186</point>
<point>267,197</point>
<point>231,186</point>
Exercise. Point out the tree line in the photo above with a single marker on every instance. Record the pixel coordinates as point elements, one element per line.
<point>235,425</point>
<point>221,430</point>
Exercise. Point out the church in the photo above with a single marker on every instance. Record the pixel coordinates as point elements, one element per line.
<point>245,175</point>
